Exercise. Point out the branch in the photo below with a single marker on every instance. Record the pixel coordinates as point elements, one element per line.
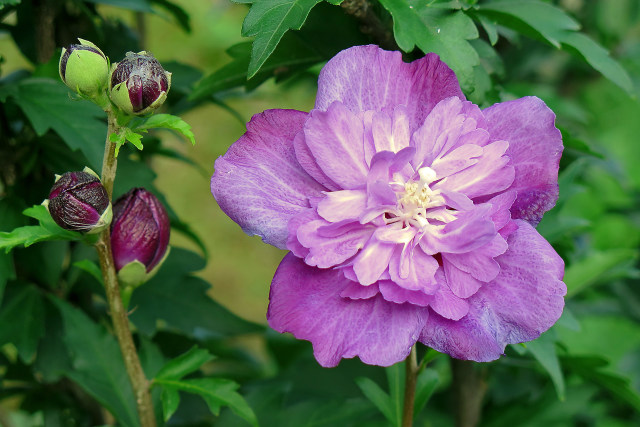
<point>370,23</point>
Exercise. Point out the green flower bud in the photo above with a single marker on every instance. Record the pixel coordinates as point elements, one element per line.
<point>138,84</point>
<point>84,68</point>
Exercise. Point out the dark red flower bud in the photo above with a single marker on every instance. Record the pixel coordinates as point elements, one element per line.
<point>139,234</point>
<point>78,201</point>
<point>138,83</point>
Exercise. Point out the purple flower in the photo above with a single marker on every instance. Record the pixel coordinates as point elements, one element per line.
<point>139,236</point>
<point>408,211</point>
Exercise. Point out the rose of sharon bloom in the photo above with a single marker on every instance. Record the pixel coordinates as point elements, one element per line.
<point>409,212</point>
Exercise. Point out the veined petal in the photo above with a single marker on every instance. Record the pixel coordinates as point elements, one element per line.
<point>535,147</point>
<point>522,302</point>
<point>340,205</point>
<point>372,261</point>
<point>306,301</point>
<point>259,182</point>
<point>387,82</point>
<point>391,132</point>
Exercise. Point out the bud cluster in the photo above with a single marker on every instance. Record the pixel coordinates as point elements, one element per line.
<point>137,85</point>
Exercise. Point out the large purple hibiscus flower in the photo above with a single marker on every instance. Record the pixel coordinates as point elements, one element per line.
<point>408,211</point>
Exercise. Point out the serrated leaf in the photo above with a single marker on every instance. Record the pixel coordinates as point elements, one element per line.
<point>543,350</point>
<point>22,321</point>
<point>30,234</point>
<point>97,363</point>
<point>436,30</point>
<point>267,21</point>
<point>47,103</point>
<point>216,392</point>
<point>184,364</point>
<point>164,121</point>
<point>378,397</point>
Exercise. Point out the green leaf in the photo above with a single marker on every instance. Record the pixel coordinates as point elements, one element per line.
<point>545,21</point>
<point>91,268</point>
<point>170,402</point>
<point>395,378</point>
<point>268,21</point>
<point>30,234</point>
<point>182,17</point>
<point>543,350</point>
<point>47,103</point>
<point>598,57</point>
<point>378,397</point>
<point>426,384</point>
<point>22,318</point>
<point>184,364</point>
<point>216,392</point>
<point>97,363</point>
<point>437,30</point>
<point>597,267</point>
<point>181,301</point>
<point>163,121</point>
<point>137,5</point>
<point>7,271</point>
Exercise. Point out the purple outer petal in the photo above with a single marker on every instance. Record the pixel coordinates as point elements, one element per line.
<point>387,82</point>
<point>524,300</point>
<point>535,147</point>
<point>306,302</point>
<point>259,182</point>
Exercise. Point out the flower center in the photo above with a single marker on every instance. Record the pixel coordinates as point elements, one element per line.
<point>414,199</point>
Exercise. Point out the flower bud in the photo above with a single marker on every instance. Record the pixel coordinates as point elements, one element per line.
<point>138,83</point>
<point>84,68</point>
<point>139,236</point>
<point>78,201</point>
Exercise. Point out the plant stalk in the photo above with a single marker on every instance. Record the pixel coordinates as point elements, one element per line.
<point>117,310</point>
<point>469,388</point>
<point>411,377</point>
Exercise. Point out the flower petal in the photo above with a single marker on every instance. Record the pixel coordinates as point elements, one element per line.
<point>535,147</point>
<point>259,183</point>
<point>306,302</point>
<point>341,205</point>
<point>524,301</point>
<point>386,83</point>
<point>335,138</point>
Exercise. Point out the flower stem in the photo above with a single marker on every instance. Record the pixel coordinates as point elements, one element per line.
<point>117,310</point>
<point>411,369</point>
<point>469,388</point>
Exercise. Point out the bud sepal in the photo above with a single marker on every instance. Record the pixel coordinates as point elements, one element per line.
<point>84,68</point>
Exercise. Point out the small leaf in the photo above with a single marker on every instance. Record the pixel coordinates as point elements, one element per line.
<point>184,364</point>
<point>30,234</point>
<point>268,21</point>
<point>427,382</point>
<point>378,397</point>
<point>170,402</point>
<point>164,121</point>
<point>544,351</point>
<point>436,30</point>
<point>216,392</point>
<point>22,318</point>
<point>91,268</point>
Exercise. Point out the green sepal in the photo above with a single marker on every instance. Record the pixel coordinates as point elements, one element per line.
<point>86,71</point>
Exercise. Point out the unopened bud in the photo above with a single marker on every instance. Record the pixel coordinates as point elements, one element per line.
<point>84,68</point>
<point>138,83</point>
<point>139,236</point>
<point>78,201</point>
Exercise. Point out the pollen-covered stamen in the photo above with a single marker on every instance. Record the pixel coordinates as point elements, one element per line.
<point>414,199</point>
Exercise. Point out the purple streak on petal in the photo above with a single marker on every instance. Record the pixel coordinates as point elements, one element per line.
<point>447,305</point>
<point>535,147</point>
<point>355,290</point>
<point>386,83</point>
<point>341,205</point>
<point>491,174</point>
<point>414,270</point>
<point>308,163</point>
<point>397,294</point>
<point>259,182</point>
<point>306,302</point>
<point>372,261</point>
<point>462,284</point>
<point>335,138</point>
<point>525,300</point>
<point>330,249</point>
<point>390,132</point>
